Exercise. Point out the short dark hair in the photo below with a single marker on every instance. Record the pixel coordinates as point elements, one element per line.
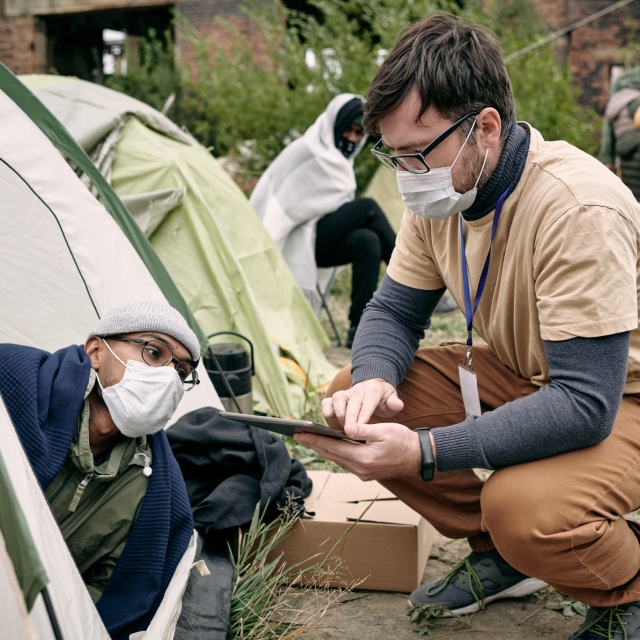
<point>456,66</point>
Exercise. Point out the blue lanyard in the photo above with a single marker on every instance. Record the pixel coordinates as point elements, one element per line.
<point>483,277</point>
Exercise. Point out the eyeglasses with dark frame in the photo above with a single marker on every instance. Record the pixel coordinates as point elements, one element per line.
<point>392,162</point>
<point>156,354</point>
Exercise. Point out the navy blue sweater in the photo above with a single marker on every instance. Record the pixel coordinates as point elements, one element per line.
<point>43,394</point>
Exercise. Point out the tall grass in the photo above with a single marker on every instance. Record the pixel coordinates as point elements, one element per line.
<point>271,600</point>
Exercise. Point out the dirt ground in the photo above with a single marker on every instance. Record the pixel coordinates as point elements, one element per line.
<point>382,616</point>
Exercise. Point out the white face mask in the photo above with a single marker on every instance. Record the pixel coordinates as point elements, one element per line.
<point>431,195</point>
<point>145,399</point>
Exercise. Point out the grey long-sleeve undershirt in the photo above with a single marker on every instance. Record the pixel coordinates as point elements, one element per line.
<point>576,410</point>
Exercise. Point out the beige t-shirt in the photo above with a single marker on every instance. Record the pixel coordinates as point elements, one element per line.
<point>564,261</point>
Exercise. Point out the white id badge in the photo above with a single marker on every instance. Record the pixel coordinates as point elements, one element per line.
<point>469,388</point>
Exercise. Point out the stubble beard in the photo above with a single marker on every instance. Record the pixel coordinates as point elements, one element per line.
<point>471,161</point>
<point>111,374</point>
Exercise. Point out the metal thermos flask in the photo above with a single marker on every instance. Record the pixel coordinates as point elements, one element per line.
<point>230,371</point>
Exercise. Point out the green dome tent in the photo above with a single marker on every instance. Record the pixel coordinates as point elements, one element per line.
<point>202,227</point>
<point>383,188</point>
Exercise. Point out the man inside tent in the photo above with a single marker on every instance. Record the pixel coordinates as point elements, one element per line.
<point>306,200</point>
<point>91,422</point>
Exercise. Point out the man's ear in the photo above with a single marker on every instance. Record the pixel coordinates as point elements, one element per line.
<point>92,347</point>
<point>489,127</point>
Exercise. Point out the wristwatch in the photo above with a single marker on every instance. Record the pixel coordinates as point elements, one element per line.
<point>428,466</point>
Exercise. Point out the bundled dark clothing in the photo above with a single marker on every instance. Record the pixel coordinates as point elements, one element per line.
<point>229,467</point>
<point>43,394</point>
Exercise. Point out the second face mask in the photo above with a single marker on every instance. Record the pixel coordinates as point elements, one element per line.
<point>145,399</point>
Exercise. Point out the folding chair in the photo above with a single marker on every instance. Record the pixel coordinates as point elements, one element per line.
<point>326,278</point>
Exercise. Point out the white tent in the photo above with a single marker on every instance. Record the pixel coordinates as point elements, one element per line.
<point>63,262</point>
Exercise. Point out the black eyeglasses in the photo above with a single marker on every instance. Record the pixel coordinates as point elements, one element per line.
<point>156,354</point>
<point>415,162</point>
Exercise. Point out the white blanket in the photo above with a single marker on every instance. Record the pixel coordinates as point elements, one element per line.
<point>309,179</point>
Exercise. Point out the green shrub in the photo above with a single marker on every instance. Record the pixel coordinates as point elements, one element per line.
<point>252,108</point>
<point>239,98</point>
<point>153,73</point>
<point>543,89</point>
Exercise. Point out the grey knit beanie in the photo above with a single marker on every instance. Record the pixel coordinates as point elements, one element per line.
<point>143,315</point>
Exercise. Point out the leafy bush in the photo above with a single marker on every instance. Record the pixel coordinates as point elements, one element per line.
<point>252,107</point>
<point>241,98</point>
<point>543,89</point>
<point>153,73</point>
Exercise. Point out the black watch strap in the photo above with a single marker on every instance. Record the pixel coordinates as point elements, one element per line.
<point>428,466</point>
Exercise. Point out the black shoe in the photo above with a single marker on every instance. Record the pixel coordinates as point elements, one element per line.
<point>351,334</point>
<point>611,623</point>
<point>473,583</point>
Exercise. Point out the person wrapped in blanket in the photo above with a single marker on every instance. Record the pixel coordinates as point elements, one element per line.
<point>307,201</point>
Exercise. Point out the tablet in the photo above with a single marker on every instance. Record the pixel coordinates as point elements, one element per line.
<point>284,426</point>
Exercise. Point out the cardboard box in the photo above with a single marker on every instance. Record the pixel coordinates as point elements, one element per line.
<point>388,548</point>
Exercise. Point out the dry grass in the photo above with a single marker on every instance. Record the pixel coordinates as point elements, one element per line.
<point>444,328</point>
<point>273,601</point>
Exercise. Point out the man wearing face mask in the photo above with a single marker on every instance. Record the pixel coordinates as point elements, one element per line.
<point>540,244</point>
<point>306,201</point>
<point>91,422</point>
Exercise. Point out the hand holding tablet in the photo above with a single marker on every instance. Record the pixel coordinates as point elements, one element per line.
<point>284,426</point>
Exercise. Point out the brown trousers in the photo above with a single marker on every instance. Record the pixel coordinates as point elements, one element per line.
<point>558,519</point>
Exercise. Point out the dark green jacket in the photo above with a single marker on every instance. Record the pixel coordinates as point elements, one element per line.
<point>96,502</point>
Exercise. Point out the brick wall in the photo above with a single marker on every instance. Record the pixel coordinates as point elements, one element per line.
<point>23,44</point>
<point>592,49</point>
<point>17,43</point>
<point>204,15</point>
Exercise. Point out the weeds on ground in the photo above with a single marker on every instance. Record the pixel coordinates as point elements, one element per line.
<point>444,328</point>
<point>273,601</point>
<point>568,607</point>
<point>431,617</point>
<point>549,598</point>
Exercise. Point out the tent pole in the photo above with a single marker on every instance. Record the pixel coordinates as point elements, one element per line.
<point>52,614</point>
<point>326,308</point>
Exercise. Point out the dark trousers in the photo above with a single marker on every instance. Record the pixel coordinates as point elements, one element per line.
<point>357,233</point>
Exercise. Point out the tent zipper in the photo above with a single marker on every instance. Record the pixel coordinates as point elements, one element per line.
<point>80,490</point>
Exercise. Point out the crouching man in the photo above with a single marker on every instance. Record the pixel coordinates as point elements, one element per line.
<point>91,422</point>
<point>541,243</point>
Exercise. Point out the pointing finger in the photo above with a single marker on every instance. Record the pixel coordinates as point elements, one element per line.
<point>328,409</point>
<point>340,402</point>
<point>355,403</point>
